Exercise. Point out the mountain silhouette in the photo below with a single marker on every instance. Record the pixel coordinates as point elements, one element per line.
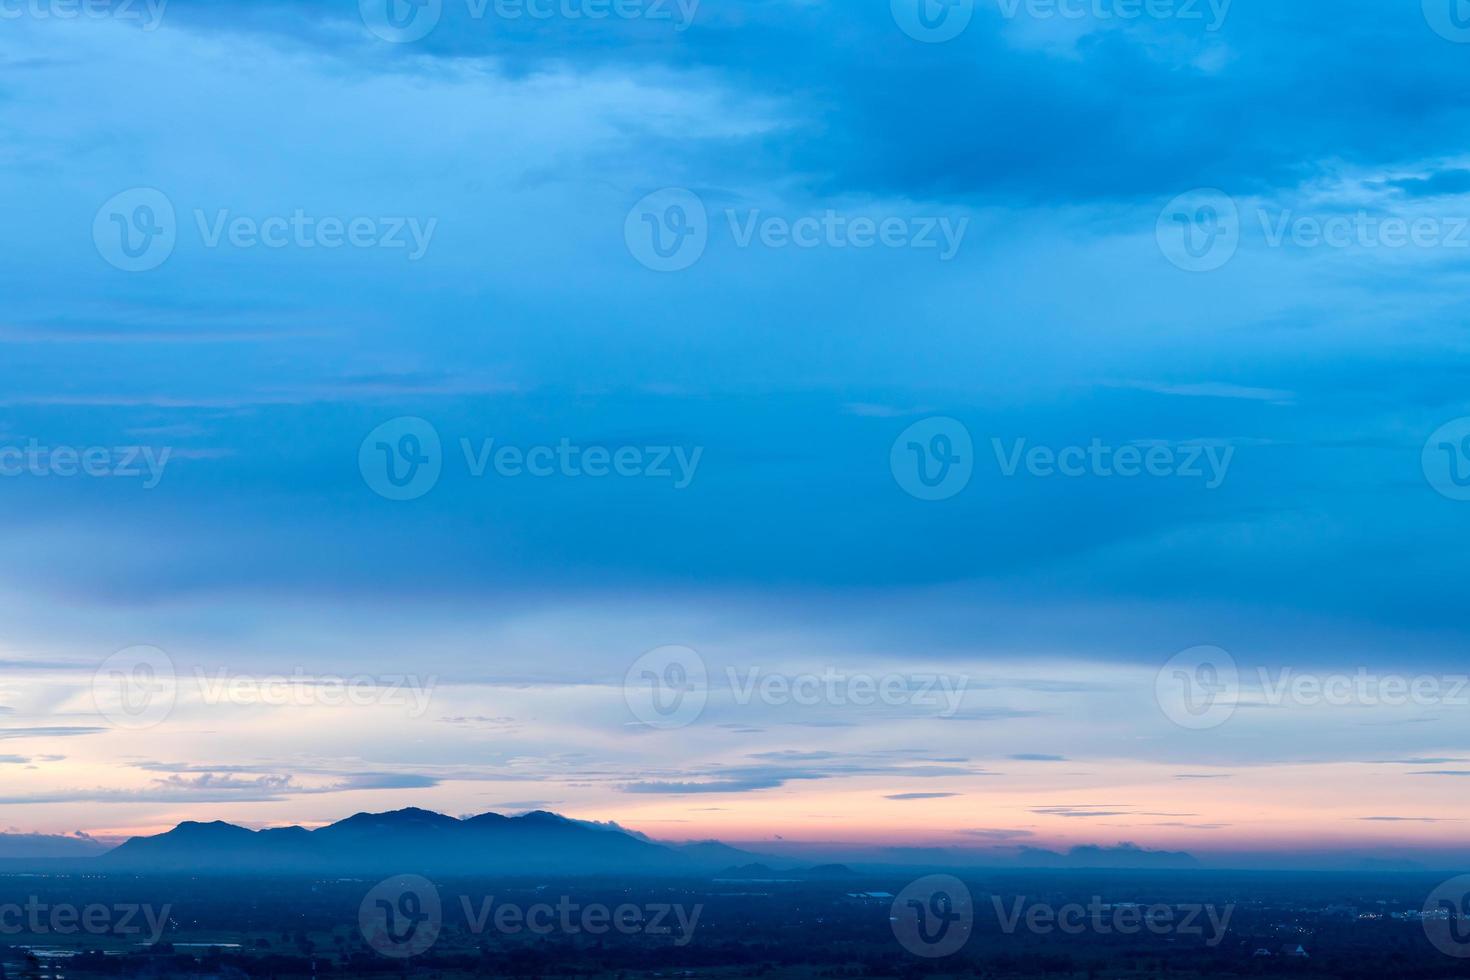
<point>418,840</point>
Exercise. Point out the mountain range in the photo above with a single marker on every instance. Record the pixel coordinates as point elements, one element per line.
<point>415,840</point>
<point>537,843</point>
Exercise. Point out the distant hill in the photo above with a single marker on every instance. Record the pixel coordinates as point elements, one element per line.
<point>421,841</point>
<point>1121,856</point>
<point>47,846</point>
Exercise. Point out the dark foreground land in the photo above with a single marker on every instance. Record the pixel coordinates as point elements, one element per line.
<point>1097,925</point>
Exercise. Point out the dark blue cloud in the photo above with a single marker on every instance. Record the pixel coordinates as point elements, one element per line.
<point>1017,108</point>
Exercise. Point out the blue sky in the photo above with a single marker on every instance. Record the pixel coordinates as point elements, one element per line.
<point>1051,146</point>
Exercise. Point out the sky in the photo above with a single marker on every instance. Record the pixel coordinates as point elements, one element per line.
<point>989,425</point>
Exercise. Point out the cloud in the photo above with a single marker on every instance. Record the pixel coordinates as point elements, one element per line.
<point>1086,811</point>
<point>53,731</point>
<point>225,784</point>
<point>990,714</point>
<point>1452,182</point>
<point>713,786</point>
<point>995,834</point>
<point>922,796</point>
<point>531,142</point>
<point>1211,389</point>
